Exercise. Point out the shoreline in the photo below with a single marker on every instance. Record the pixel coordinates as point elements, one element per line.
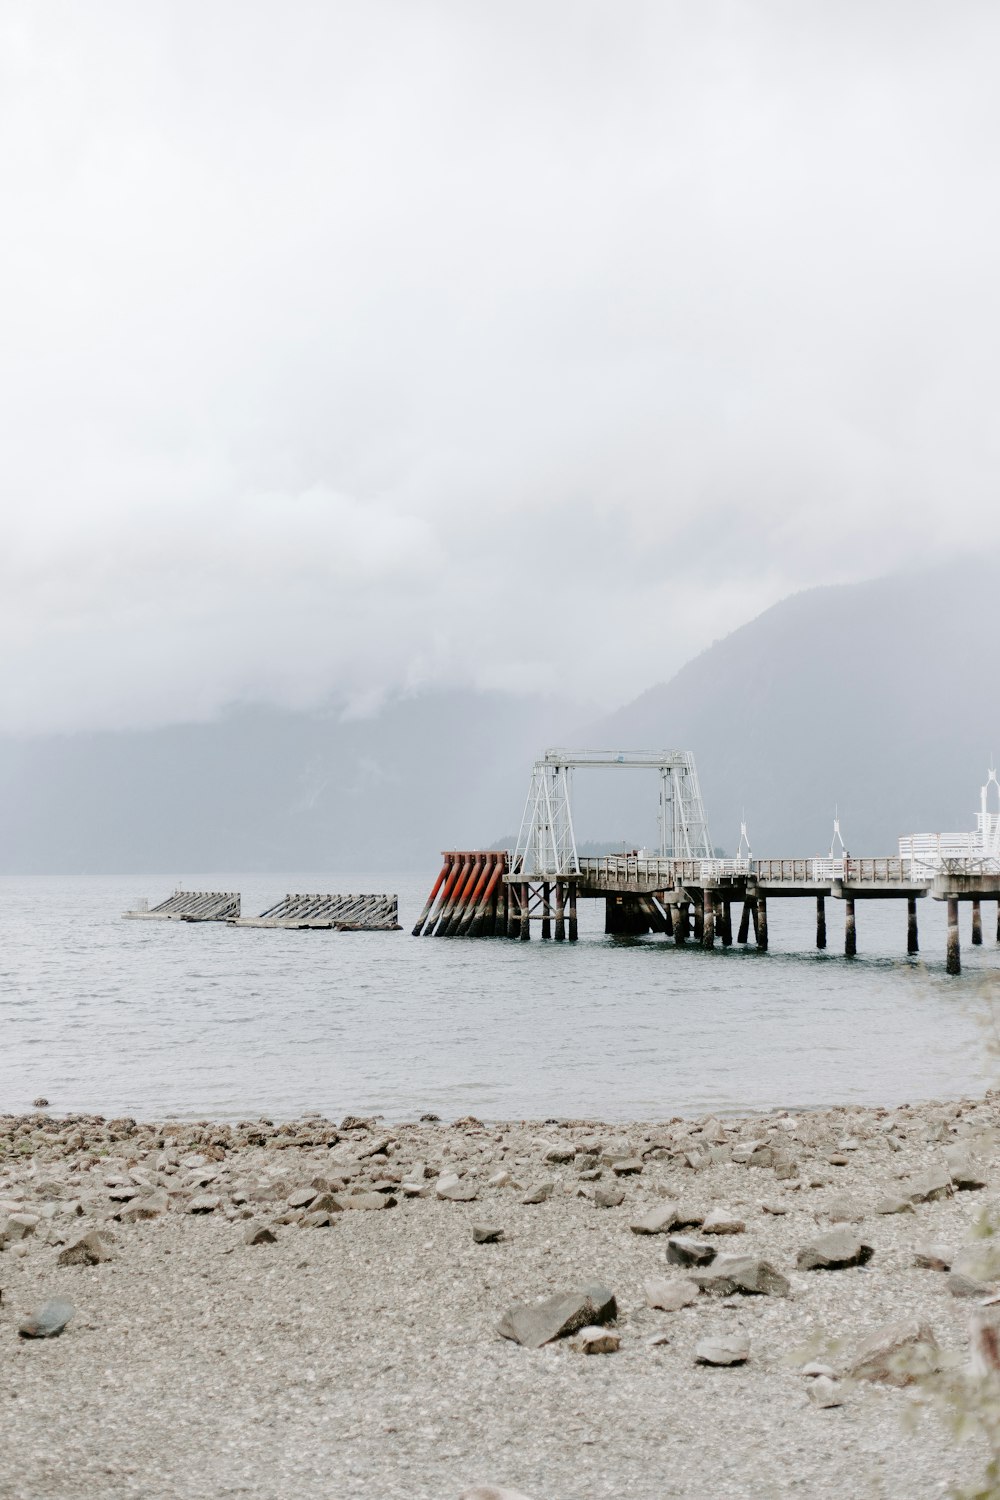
<point>353,1350</point>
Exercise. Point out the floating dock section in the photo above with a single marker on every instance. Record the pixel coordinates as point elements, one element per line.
<point>191,906</point>
<point>372,913</point>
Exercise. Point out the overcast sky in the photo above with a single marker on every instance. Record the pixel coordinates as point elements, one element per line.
<point>347,349</point>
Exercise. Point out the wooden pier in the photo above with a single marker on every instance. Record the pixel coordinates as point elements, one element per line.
<point>690,900</point>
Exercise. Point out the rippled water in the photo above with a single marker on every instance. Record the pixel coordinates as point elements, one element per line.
<point>156,1019</point>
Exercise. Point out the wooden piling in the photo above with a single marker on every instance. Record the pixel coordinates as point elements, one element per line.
<point>573,930</point>
<point>820,922</point>
<point>699,917</point>
<point>525,913</point>
<point>726,924</point>
<point>912,939</point>
<point>546,911</point>
<point>681,923</point>
<point>744,932</point>
<point>513,927</point>
<point>762,923</point>
<point>707,920</point>
<point>953,960</point>
<point>977,924</point>
<point>998,921</point>
<point>560,912</point>
<point>850,929</point>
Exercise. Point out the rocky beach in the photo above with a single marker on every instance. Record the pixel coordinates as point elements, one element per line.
<point>561,1308</point>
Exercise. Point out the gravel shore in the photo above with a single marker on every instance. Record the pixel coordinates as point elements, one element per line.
<point>353,1350</point>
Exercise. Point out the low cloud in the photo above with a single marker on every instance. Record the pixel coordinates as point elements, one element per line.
<point>354,351</point>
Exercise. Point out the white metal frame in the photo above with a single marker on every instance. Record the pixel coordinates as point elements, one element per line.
<point>546,842</point>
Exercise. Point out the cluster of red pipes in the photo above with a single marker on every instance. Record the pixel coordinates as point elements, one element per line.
<point>470,894</point>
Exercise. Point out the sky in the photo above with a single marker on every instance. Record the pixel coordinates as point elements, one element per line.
<point>349,350</point>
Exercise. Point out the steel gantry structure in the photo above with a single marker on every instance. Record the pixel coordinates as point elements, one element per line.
<point>546,843</point>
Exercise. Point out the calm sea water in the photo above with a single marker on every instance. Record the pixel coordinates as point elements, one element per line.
<point>157,1019</point>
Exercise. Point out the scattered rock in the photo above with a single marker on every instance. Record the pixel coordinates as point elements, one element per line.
<point>259,1234</point>
<point>204,1203</point>
<point>669,1296</point>
<point>561,1154</point>
<point>315,1219</point>
<point>302,1198</point>
<point>609,1196</point>
<point>487,1234</point>
<point>719,1221</point>
<point>963,1174</point>
<point>365,1202</point>
<point>539,1193</point>
<point>88,1250</point>
<point>960,1285</point>
<point>536,1323</point>
<point>815,1368</point>
<point>629,1167</point>
<point>148,1206</point>
<point>731,1349</point>
<point>682,1251</point>
<point>895,1354</point>
<point>893,1204</point>
<point>933,1258</point>
<point>825,1392</point>
<point>746,1274</point>
<point>19,1226</point>
<point>49,1320</point>
<point>929,1187</point>
<point>834,1251</point>
<point>40,1103</point>
<point>597,1341</point>
<point>657,1221</point>
<point>454,1189</point>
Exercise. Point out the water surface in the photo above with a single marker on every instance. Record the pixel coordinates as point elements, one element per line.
<point>155,1019</point>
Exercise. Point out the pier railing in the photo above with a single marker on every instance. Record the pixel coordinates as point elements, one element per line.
<point>618,870</point>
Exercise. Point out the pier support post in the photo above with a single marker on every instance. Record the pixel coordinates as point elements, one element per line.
<point>820,921</point>
<point>573,930</point>
<point>546,911</point>
<point>762,923</point>
<point>850,929</point>
<point>977,925</point>
<point>560,913</point>
<point>681,923</point>
<point>744,932</point>
<point>998,921</point>
<point>912,940</point>
<point>513,913</point>
<point>525,914</point>
<point>668,915</point>
<point>953,961</point>
<point>726,924</point>
<point>699,917</point>
<point>708,919</point>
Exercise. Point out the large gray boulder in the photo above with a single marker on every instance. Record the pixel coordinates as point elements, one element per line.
<point>834,1251</point>
<point>895,1354</point>
<point>723,1349</point>
<point>746,1274</point>
<point>536,1323</point>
